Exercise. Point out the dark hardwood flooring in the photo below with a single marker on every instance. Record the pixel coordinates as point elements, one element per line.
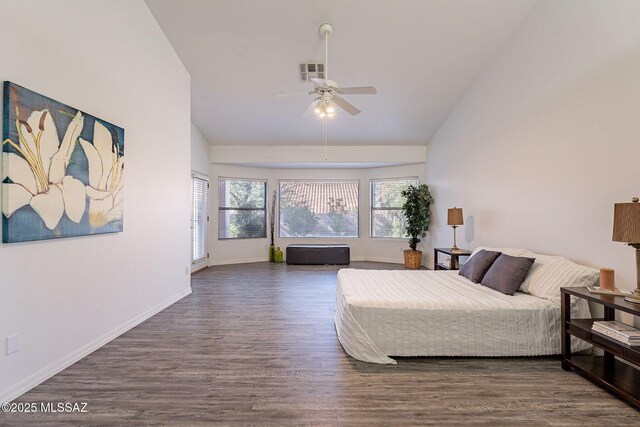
<point>255,345</point>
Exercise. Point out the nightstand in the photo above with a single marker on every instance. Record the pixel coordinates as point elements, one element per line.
<point>618,371</point>
<point>454,264</point>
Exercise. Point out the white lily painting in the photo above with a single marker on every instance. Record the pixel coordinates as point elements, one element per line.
<point>62,170</point>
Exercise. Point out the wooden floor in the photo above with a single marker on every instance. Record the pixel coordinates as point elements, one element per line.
<point>255,345</point>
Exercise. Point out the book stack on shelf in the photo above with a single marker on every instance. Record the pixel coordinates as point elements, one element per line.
<point>614,291</point>
<point>619,331</point>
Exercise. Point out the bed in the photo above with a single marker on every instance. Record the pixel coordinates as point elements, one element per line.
<point>382,313</point>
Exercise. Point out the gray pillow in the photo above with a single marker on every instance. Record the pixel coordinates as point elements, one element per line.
<point>476,266</point>
<point>507,273</point>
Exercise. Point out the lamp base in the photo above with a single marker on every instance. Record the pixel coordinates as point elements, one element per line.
<point>454,248</point>
<point>633,299</point>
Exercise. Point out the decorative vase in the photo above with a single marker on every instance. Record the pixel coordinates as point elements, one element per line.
<point>272,253</point>
<point>412,259</point>
<point>279,256</point>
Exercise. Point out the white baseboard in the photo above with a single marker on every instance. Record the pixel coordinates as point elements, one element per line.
<point>389,260</point>
<point>47,372</point>
<point>240,261</point>
<point>247,261</point>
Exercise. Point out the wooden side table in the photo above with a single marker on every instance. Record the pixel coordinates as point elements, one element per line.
<point>454,263</point>
<point>608,371</point>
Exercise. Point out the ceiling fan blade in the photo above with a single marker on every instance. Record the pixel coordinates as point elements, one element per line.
<point>342,103</point>
<point>311,110</point>
<point>361,90</point>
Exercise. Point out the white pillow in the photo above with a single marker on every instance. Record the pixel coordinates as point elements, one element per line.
<point>550,273</point>
<point>506,251</point>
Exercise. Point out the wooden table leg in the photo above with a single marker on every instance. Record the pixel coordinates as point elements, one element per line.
<point>566,337</point>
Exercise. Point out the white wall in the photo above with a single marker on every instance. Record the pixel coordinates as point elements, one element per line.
<point>338,155</point>
<point>199,152</point>
<point>547,139</point>
<point>69,296</point>
<point>362,248</point>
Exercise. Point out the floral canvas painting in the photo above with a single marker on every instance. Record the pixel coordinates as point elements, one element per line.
<point>62,169</point>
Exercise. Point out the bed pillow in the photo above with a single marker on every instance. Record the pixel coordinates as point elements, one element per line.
<point>506,251</point>
<point>478,265</point>
<point>507,273</point>
<point>550,273</point>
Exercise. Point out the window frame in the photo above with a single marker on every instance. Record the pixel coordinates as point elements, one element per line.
<point>372,209</point>
<point>263,209</point>
<point>357,236</point>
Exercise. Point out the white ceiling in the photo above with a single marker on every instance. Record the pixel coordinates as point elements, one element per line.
<point>420,54</point>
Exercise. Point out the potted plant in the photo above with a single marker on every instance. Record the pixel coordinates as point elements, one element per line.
<point>417,211</point>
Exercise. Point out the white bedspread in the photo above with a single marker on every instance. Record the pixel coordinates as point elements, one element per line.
<point>382,313</point>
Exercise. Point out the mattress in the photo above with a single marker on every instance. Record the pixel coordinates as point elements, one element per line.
<point>440,313</point>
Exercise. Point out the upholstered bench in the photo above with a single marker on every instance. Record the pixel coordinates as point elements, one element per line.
<point>337,254</point>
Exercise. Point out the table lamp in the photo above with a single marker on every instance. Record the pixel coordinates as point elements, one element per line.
<point>626,228</point>
<point>454,219</point>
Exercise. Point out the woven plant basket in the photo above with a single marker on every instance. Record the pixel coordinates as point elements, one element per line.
<point>412,259</point>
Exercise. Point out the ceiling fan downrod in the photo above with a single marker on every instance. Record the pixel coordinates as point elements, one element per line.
<point>326,29</point>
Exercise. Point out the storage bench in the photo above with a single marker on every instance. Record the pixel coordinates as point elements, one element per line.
<point>337,254</point>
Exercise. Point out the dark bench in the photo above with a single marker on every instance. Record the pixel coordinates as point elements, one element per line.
<point>318,254</point>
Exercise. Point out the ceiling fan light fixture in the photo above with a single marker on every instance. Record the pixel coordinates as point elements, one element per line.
<point>325,109</point>
<point>330,108</point>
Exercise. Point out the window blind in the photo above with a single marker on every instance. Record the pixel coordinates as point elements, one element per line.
<point>318,208</point>
<point>242,208</point>
<point>200,199</point>
<point>387,219</point>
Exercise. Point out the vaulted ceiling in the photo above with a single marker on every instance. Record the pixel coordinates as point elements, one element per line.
<point>421,55</point>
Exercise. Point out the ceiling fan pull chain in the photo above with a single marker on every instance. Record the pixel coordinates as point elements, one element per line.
<point>324,134</point>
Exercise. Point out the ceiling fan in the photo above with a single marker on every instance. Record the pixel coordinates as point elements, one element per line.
<point>328,92</point>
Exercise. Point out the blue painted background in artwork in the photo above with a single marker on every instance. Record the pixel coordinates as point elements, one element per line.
<point>25,224</point>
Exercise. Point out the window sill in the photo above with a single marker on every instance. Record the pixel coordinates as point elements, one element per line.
<point>240,238</point>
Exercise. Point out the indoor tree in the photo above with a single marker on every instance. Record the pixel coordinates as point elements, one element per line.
<point>417,211</point>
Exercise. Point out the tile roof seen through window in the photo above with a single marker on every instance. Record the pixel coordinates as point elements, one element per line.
<point>319,196</point>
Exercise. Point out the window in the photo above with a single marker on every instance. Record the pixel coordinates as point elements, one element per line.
<point>318,209</point>
<point>242,208</point>
<point>199,218</point>
<point>387,219</point>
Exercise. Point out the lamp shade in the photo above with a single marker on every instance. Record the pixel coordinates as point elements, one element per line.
<point>626,222</point>
<point>454,216</point>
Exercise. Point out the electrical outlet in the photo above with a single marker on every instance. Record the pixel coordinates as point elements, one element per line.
<point>13,344</point>
<point>186,270</point>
